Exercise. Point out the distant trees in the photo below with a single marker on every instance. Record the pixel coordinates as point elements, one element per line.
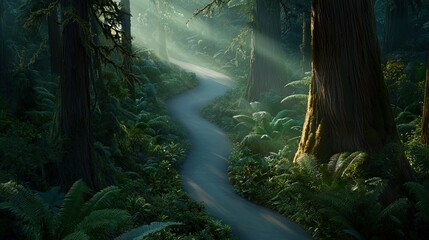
<point>126,44</point>
<point>425,116</point>
<point>396,24</point>
<point>348,107</point>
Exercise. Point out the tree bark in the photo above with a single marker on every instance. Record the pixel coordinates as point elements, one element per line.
<point>126,43</point>
<point>75,139</point>
<point>425,116</point>
<point>348,106</point>
<point>396,25</point>
<point>265,57</point>
<point>55,47</point>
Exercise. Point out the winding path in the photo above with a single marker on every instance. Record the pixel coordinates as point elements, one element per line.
<point>205,171</point>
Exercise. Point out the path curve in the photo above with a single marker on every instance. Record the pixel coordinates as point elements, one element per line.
<point>205,170</point>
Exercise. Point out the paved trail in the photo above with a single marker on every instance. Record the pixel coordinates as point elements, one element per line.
<point>205,171</point>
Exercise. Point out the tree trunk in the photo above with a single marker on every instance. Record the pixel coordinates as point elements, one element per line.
<point>425,116</point>
<point>3,64</point>
<point>305,46</point>
<point>265,56</point>
<point>126,43</point>
<point>396,25</point>
<point>74,117</point>
<point>348,106</point>
<point>55,47</point>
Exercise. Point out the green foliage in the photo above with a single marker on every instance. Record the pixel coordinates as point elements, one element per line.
<point>268,133</point>
<point>142,231</point>
<point>79,215</point>
<point>404,90</point>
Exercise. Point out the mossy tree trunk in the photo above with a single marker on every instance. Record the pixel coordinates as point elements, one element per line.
<point>74,122</point>
<point>126,44</point>
<point>348,106</point>
<point>265,57</point>
<point>396,25</point>
<point>425,116</point>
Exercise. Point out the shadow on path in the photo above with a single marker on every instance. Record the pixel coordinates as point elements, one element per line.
<point>205,170</point>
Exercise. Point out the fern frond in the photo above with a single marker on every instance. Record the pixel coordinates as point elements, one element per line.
<point>396,209</point>
<point>308,164</point>
<point>101,200</point>
<point>144,230</point>
<point>295,97</point>
<point>421,194</point>
<point>69,214</point>
<point>245,120</point>
<point>103,221</point>
<point>28,207</point>
<point>79,235</point>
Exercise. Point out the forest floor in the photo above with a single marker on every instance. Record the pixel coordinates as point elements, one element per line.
<point>205,170</point>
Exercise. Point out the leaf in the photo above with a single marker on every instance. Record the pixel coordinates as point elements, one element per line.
<point>144,230</point>
<point>245,120</point>
<point>295,97</point>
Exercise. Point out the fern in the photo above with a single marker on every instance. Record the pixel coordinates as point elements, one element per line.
<point>99,223</point>
<point>100,200</point>
<point>421,195</point>
<point>27,207</point>
<point>144,230</point>
<point>77,236</point>
<point>346,164</point>
<point>74,200</point>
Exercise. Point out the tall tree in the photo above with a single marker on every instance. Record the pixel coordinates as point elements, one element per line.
<point>54,35</point>
<point>74,116</point>
<point>425,117</point>
<point>348,106</point>
<point>126,44</point>
<point>396,24</point>
<point>265,56</point>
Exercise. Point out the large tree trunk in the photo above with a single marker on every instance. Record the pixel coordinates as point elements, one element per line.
<point>265,57</point>
<point>425,117</point>
<point>55,47</point>
<point>126,43</point>
<point>396,25</point>
<point>348,106</point>
<point>74,116</point>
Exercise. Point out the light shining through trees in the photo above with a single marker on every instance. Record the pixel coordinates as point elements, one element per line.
<point>198,40</point>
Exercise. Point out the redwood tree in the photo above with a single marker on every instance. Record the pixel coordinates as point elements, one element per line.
<point>265,57</point>
<point>425,117</point>
<point>74,122</point>
<point>348,106</point>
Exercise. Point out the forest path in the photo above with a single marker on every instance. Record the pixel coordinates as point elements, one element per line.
<point>205,170</point>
